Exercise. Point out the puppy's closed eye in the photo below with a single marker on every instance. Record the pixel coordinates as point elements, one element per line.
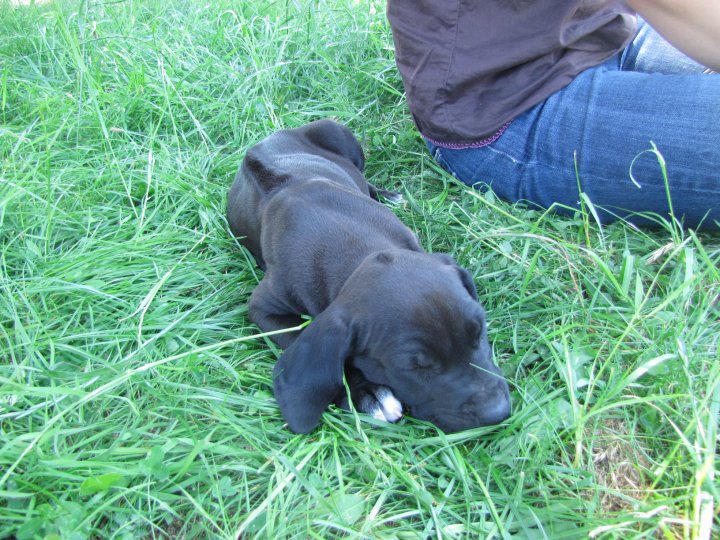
<point>474,328</point>
<point>422,361</point>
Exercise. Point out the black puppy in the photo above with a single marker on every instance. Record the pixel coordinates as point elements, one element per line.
<point>401,324</point>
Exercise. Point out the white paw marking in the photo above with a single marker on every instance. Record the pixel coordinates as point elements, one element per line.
<point>390,407</point>
<point>382,405</point>
<point>395,198</point>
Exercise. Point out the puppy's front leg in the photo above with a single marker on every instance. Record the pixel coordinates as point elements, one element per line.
<point>271,315</point>
<point>374,399</point>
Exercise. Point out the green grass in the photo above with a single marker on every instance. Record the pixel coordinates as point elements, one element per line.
<point>135,396</point>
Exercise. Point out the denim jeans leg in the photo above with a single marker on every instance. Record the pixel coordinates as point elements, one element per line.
<point>603,124</point>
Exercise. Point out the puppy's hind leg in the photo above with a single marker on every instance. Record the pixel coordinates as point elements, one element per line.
<point>258,260</point>
<point>392,196</point>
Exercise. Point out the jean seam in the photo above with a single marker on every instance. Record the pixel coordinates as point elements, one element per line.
<point>438,157</point>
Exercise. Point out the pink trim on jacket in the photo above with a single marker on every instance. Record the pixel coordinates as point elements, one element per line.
<point>465,146</point>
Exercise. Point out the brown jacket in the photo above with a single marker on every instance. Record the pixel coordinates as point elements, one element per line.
<point>470,66</point>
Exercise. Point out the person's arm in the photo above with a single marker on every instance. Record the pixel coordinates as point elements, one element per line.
<point>692,26</point>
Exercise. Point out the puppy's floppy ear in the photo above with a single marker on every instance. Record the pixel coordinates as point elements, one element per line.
<point>464,275</point>
<point>309,374</point>
<point>467,282</point>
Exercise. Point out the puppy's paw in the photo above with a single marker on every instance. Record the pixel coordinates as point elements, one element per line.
<point>391,196</point>
<point>380,403</point>
<point>370,398</point>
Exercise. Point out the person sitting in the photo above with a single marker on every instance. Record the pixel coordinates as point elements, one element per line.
<point>544,100</point>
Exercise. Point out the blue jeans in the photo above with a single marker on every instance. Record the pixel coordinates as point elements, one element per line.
<point>602,124</point>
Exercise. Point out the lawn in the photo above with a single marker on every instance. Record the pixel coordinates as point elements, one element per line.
<point>135,396</point>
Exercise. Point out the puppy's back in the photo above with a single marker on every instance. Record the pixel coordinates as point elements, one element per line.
<point>322,148</point>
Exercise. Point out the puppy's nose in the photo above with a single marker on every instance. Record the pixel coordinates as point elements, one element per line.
<point>495,411</point>
<point>486,410</point>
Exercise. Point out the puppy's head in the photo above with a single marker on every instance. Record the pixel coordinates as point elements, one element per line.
<point>409,321</point>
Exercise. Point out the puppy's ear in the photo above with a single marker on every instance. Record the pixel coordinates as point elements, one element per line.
<point>309,374</point>
<point>464,275</point>
<point>467,282</point>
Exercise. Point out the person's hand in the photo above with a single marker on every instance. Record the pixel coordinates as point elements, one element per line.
<point>692,26</point>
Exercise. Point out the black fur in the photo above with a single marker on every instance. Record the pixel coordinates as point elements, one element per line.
<point>385,312</point>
